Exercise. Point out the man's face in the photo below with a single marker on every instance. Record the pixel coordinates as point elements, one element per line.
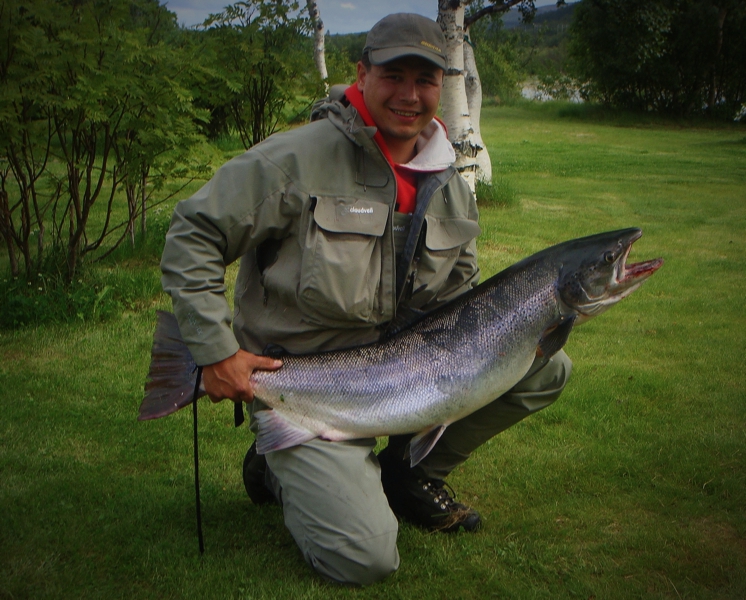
<point>402,97</point>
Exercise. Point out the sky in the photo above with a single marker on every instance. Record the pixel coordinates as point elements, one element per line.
<point>339,16</point>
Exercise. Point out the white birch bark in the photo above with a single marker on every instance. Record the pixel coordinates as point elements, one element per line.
<point>319,55</point>
<point>453,99</point>
<point>473,86</point>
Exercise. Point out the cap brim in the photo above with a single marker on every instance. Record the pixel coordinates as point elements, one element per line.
<point>386,55</point>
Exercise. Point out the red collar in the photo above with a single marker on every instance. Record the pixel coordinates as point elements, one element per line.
<point>355,96</point>
<point>406,180</point>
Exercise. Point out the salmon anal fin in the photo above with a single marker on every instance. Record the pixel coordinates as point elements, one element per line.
<point>421,444</point>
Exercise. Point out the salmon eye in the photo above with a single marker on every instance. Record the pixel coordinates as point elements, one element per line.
<point>609,257</point>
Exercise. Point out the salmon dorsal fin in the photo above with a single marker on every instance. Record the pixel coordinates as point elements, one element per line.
<point>421,444</point>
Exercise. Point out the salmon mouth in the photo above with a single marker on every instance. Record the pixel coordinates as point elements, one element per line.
<point>628,277</point>
<point>641,270</point>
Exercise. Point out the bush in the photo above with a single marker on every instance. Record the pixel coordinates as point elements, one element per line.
<point>129,280</point>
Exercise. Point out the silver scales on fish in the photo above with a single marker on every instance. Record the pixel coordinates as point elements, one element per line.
<point>432,373</point>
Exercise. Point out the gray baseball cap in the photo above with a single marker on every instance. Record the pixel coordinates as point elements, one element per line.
<point>406,34</point>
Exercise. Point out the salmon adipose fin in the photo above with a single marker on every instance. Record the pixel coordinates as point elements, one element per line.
<point>172,374</point>
<point>275,432</point>
<point>421,444</point>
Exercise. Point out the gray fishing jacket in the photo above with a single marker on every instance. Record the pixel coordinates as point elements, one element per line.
<point>310,214</point>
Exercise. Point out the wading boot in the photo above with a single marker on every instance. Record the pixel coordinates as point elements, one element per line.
<point>254,477</point>
<point>423,501</point>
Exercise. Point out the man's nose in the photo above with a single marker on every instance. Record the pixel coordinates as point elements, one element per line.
<point>408,90</point>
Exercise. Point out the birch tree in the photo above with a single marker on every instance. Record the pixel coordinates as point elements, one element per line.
<point>462,89</point>
<point>453,98</point>
<point>319,54</point>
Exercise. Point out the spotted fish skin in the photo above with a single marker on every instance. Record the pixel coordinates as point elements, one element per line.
<point>445,366</point>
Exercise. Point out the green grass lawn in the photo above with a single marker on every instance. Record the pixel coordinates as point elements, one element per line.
<point>632,485</point>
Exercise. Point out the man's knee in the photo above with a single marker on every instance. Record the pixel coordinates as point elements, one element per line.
<point>357,563</point>
<point>542,387</point>
<point>551,377</point>
<point>557,373</point>
<point>336,510</point>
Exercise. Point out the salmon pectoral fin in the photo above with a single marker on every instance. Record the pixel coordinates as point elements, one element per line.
<point>277,433</point>
<point>553,341</point>
<point>421,444</point>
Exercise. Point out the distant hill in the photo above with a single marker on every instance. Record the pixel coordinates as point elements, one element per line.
<point>549,15</point>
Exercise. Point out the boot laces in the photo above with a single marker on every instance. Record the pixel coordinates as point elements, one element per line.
<point>443,497</point>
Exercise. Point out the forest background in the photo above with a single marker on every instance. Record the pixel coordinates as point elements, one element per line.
<point>108,110</point>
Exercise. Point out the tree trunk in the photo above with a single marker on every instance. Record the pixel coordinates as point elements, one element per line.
<point>462,90</point>
<point>40,245</point>
<point>455,106</point>
<point>474,102</point>
<point>73,248</point>
<point>23,240</point>
<point>6,228</point>
<point>130,191</point>
<point>143,204</point>
<point>319,55</point>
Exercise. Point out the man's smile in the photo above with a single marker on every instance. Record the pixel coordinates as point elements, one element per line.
<point>404,113</point>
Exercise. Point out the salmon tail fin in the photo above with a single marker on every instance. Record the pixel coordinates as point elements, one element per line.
<point>173,372</point>
<point>421,444</point>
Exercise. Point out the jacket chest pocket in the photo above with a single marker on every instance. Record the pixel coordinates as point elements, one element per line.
<point>440,254</point>
<point>340,278</point>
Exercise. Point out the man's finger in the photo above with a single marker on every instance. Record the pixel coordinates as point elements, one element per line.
<point>265,363</point>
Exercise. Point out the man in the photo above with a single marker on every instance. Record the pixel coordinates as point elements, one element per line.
<point>344,226</point>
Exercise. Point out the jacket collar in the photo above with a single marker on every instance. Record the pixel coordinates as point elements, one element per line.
<point>434,151</point>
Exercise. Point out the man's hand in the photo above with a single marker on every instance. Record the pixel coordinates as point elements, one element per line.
<point>229,378</point>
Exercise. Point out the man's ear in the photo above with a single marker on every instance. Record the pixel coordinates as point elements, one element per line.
<point>361,73</point>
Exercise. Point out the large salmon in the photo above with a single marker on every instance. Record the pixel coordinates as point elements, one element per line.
<point>432,373</point>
